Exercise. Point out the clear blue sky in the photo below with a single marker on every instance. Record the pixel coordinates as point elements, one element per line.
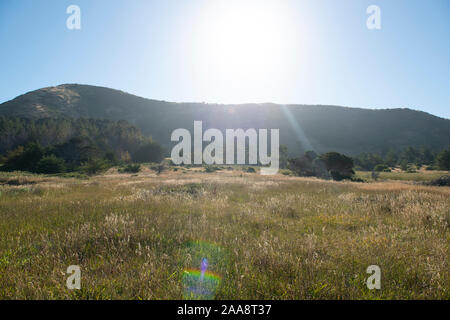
<point>226,51</point>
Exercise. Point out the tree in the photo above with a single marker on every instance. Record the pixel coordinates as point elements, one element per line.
<point>149,152</point>
<point>382,167</point>
<point>131,168</point>
<point>427,156</point>
<point>368,161</point>
<point>74,140</point>
<point>125,157</point>
<point>320,168</point>
<point>443,159</point>
<point>95,166</point>
<point>51,164</point>
<point>302,166</point>
<point>283,157</point>
<point>111,157</point>
<point>78,150</point>
<point>338,165</point>
<point>411,155</point>
<point>308,165</point>
<point>24,159</point>
<point>391,158</point>
<point>404,165</point>
<point>311,155</point>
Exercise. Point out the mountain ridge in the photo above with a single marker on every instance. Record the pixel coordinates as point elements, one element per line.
<point>302,127</point>
<point>215,103</point>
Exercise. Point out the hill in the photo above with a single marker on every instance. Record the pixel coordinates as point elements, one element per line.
<point>302,127</point>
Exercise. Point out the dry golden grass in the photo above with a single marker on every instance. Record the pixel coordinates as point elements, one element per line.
<point>280,237</point>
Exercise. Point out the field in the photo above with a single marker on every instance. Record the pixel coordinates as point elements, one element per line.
<point>419,176</point>
<point>276,237</point>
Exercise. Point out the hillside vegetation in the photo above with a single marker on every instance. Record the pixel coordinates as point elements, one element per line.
<point>320,128</point>
<point>52,145</point>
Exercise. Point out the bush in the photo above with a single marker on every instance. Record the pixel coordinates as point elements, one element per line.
<point>150,152</point>
<point>404,165</point>
<point>250,170</point>
<point>302,166</point>
<point>111,157</point>
<point>51,164</point>
<point>94,166</point>
<point>443,160</point>
<point>209,168</point>
<point>286,172</point>
<point>75,175</point>
<point>131,168</point>
<point>159,168</point>
<point>382,168</point>
<point>441,182</point>
<point>338,165</point>
<point>24,159</point>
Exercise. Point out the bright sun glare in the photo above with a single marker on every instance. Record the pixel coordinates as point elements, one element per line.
<point>246,45</point>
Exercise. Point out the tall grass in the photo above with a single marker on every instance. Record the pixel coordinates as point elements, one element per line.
<point>281,237</point>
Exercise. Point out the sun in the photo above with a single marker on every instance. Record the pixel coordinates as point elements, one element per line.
<point>246,44</point>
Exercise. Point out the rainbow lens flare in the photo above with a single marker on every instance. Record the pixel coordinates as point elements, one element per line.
<point>200,285</point>
<point>201,281</point>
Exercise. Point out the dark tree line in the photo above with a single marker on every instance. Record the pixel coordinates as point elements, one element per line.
<point>407,158</point>
<point>329,165</point>
<point>58,145</point>
<point>339,167</point>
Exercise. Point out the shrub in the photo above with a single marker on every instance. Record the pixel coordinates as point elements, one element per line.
<point>51,164</point>
<point>159,168</point>
<point>209,168</point>
<point>382,168</point>
<point>77,150</point>
<point>443,160</point>
<point>131,168</point>
<point>24,159</point>
<point>250,170</point>
<point>94,166</point>
<point>302,166</point>
<point>212,168</point>
<point>111,157</point>
<point>75,175</point>
<point>404,165</point>
<point>338,165</point>
<point>150,152</point>
<point>441,182</point>
<point>286,172</point>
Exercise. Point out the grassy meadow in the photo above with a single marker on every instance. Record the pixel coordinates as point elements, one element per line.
<point>419,176</point>
<point>271,237</point>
